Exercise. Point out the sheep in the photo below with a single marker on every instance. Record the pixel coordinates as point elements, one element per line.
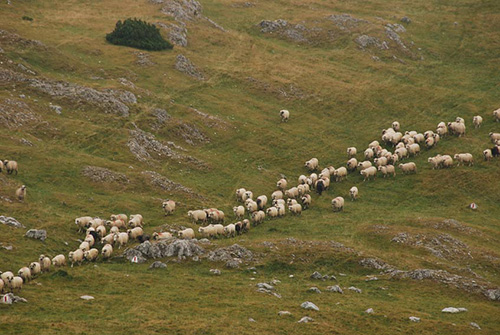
<point>84,246</point>
<point>239,211</point>
<point>419,138</point>
<point>290,202</point>
<point>313,178</point>
<point>35,268</point>
<point>292,193</point>
<point>106,251</point>
<point>109,239</point>
<point>117,223</point>
<point>495,151</point>
<point>6,276</point>
<point>230,230</point>
<point>408,168</point>
<point>208,231</point>
<point>82,222</point>
<point>2,284</point>
<point>351,152</point>
<point>281,184</point>
<point>25,274</point>
<point>135,232</point>
<point>456,128</point>
<point>396,126</point>
<point>247,195</point>
<point>312,164</point>
<point>373,144</point>
<point>246,225</point>
<point>91,255</point>
<point>381,161</point>
<point>21,193</point>
<point>258,217</point>
<point>369,172</point>
<point>393,159</point>
<point>295,209</point>
<point>465,158</point>
<point>272,212</point>
<point>15,283</point>
<point>303,189</point>
<point>95,222</point>
<point>10,166</point>
<point>161,236</point>
<point>340,173</point>
<point>494,137</point>
<point>252,207</point>
<point>320,186</point>
<point>430,142</point>
<point>277,195</point>
<point>442,131</point>
<point>187,233</point>
<point>487,154</point>
<point>306,201</point>
<point>2,166</point>
<point>388,169</point>
<point>59,260</point>
<point>446,161</point>
<point>352,164</point>
<point>302,179</point>
<point>90,240</point>
<point>219,229</point>
<point>101,231</point>
<point>369,153</point>
<point>168,206</point>
<point>76,256</point>
<point>45,263</point>
<point>353,192</point>
<point>477,121</point>
<point>496,115</point>
<point>281,209</point>
<point>285,115</point>
<point>135,221</point>
<point>338,204</point>
<point>413,149</point>
<point>261,201</point>
<point>121,239</point>
<point>364,165</point>
<point>325,173</point>
<point>113,230</point>
<point>115,217</point>
<point>239,194</point>
<point>216,216</point>
<point>428,133</point>
<point>197,216</point>
<point>401,152</point>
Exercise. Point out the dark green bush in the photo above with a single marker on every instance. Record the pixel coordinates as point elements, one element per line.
<point>138,34</point>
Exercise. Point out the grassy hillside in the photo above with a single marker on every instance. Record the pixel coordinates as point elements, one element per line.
<point>339,94</point>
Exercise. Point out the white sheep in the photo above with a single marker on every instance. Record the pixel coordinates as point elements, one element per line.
<point>292,193</point>
<point>351,152</point>
<point>122,217</point>
<point>396,126</point>
<point>10,166</point>
<point>24,273</point>
<point>252,207</point>
<point>101,231</point>
<point>239,194</point>
<point>430,142</point>
<point>187,233</point>
<point>295,209</point>
<point>338,204</point>
<point>120,224</point>
<point>106,251</point>
<point>364,165</point>
<point>261,201</point>
<point>387,169</point>
<point>373,144</point>
<point>419,138</point>
<point>457,128</point>
<point>442,131</point>
<point>401,152</point>
<point>197,216</point>
<point>248,195</point>
<point>15,283</point>
<point>285,115</point>
<point>21,193</point>
<point>306,201</point>
<point>258,217</point>
<point>312,164</point>
<point>168,206</point>
<point>121,239</point>
<point>464,158</point>
<point>494,137</point>
<point>381,161</point>
<point>487,154</point>
<point>369,172</point>
<point>91,255</point>
<point>82,222</point>
<point>496,115</point>
<point>2,284</point>
<point>353,192</point>
<point>158,236</point>
<point>35,268</point>
<point>135,233</point>
<point>219,229</point>
<point>239,211</point>
<point>413,149</point>
<point>136,221</point>
<point>281,184</point>
<point>477,121</point>
<point>352,164</point>
<point>208,231</point>
<point>281,209</point>
<point>230,230</point>
<point>90,240</point>
<point>302,179</point>
<point>45,263</point>
<point>369,153</point>
<point>76,256</point>
<point>446,161</point>
<point>95,222</point>
<point>272,212</point>
<point>408,168</point>
<point>6,276</point>
<point>340,173</point>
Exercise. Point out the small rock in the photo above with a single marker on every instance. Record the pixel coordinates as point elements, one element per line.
<point>475,325</point>
<point>290,276</point>
<point>355,289</point>
<point>265,286</point>
<point>275,281</point>
<point>251,320</point>
<point>306,319</point>
<point>414,319</point>
<point>314,289</point>
<point>370,278</point>
<point>215,272</point>
<point>335,288</point>
<point>56,108</point>
<point>453,310</point>
<point>158,265</point>
<point>37,234</point>
<point>369,311</point>
<point>87,297</point>
<point>316,275</point>
<point>7,220</point>
<point>204,241</point>
<point>406,19</point>
<point>281,313</point>
<point>309,305</point>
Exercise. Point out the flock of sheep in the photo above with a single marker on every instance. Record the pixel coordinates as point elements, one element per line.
<point>120,229</point>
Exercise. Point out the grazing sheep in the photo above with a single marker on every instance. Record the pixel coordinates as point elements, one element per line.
<point>338,204</point>
<point>239,211</point>
<point>277,195</point>
<point>394,158</point>
<point>351,152</point>
<point>401,152</point>
<point>295,209</point>
<point>2,284</point>
<point>364,165</point>
<point>353,192</point>
<point>442,131</point>
<point>258,217</point>
<point>187,233</point>
<point>369,153</point>
<point>290,202</point>
<point>247,195</point>
<point>161,236</point>
<point>312,164</point>
<point>281,209</point>
<point>91,255</point>
<point>369,172</point>
<point>90,239</point>
<point>120,224</point>
<point>428,133</point>
<point>373,144</point>
<point>25,274</point>
<point>272,212</point>
<point>495,151</point>
<point>230,230</point>
<point>396,126</point>
<point>122,217</point>
<point>45,263</point>
<point>121,239</point>
<point>419,138</point>
<point>408,168</point>
<point>494,137</point>
<point>302,179</point>
<point>197,216</point>
<point>216,216</point>
<point>456,128</point>
<point>135,233</point>
<point>465,158</point>
<point>106,251</point>
<point>285,115</point>
<point>82,222</point>
<point>59,260</point>
<point>84,246</point>
<point>430,142</point>
<point>15,283</point>
<point>496,115</point>
<point>261,201</point>
<point>101,231</point>
<point>113,230</point>
<point>2,166</point>
<point>281,184</point>
<point>387,169</point>
<point>208,231</point>
<point>252,207</point>
<point>313,178</point>
<point>306,201</point>
<point>21,193</point>
<point>239,194</point>
<point>413,149</point>
<point>10,166</point>
<point>459,120</point>
<point>487,154</point>
<point>477,121</point>
<point>446,161</point>
<point>168,206</point>
<point>246,225</point>
<point>340,173</point>
<point>35,268</point>
<point>292,193</point>
<point>109,239</point>
<point>219,229</point>
<point>95,222</point>
<point>352,164</point>
<point>381,161</point>
<point>135,221</point>
<point>76,256</point>
<point>6,276</point>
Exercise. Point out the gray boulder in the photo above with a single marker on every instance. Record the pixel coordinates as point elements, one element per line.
<point>158,265</point>
<point>9,221</point>
<point>37,234</point>
<point>309,305</point>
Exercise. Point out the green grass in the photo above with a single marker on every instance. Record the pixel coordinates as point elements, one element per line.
<point>347,99</point>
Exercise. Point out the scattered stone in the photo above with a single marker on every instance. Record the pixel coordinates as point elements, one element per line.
<point>184,65</point>
<point>26,69</point>
<point>26,142</point>
<point>56,108</point>
<point>291,276</point>
<point>272,26</point>
<point>406,20</point>
<point>355,289</point>
<point>371,278</point>
<point>103,175</point>
<point>274,281</point>
<point>204,241</point>
<point>126,82</point>
<point>393,35</point>
<point>306,319</point>
<point>166,184</point>
<point>9,221</point>
<point>165,248</point>
<point>232,255</point>
<point>143,58</point>
<point>345,21</point>
<point>158,265</point>
<point>233,263</point>
<point>440,245</point>
<point>335,289</point>
<point>87,297</point>
<point>245,4</point>
<point>316,275</point>
<point>454,310</point>
<point>314,289</point>
<point>369,311</point>
<point>365,41</point>
<point>15,114</point>
<point>215,24</point>
<point>414,319</point>
<point>309,305</point>
<point>215,272</point>
<point>190,133</point>
<point>177,34</point>
<point>396,27</point>
<point>37,234</point>
<point>475,325</point>
<point>282,313</point>
<point>183,10</point>
<point>265,286</point>
<point>251,320</point>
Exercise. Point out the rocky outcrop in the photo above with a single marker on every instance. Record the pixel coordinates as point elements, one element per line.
<point>181,249</point>
<point>157,180</point>
<point>233,256</point>
<point>184,65</point>
<point>103,175</point>
<point>9,221</point>
<point>15,114</point>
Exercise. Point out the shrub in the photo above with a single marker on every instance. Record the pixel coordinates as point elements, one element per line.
<point>138,34</point>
